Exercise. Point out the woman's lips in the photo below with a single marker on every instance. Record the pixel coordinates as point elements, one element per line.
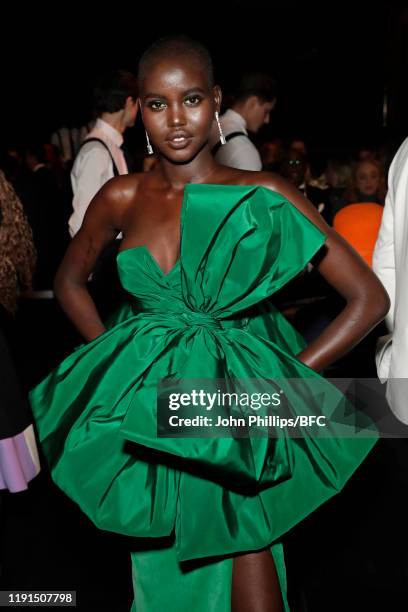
<point>179,141</point>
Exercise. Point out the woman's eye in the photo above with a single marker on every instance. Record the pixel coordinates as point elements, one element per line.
<point>156,105</point>
<point>193,100</point>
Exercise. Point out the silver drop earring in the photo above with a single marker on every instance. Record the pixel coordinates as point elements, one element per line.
<point>222,137</point>
<point>148,145</point>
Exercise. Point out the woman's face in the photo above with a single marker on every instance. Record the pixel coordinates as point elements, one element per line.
<point>367,178</point>
<point>178,108</point>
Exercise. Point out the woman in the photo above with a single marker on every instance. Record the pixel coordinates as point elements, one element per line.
<point>203,246</point>
<point>19,461</point>
<point>368,183</point>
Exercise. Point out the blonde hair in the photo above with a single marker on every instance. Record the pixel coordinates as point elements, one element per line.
<point>352,193</point>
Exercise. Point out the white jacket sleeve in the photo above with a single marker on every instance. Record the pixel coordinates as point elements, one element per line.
<point>384,256</point>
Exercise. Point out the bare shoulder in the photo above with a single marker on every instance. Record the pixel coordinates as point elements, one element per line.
<point>273,181</point>
<point>280,185</point>
<point>122,189</point>
<point>117,195</point>
<point>270,180</point>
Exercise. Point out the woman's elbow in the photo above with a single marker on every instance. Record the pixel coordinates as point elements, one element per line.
<point>377,302</point>
<point>384,302</point>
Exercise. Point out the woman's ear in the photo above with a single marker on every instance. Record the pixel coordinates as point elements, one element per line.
<point>217,97</point>
<point>129,103</point>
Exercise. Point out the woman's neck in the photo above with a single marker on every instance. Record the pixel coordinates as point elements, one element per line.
<point>199,170</point>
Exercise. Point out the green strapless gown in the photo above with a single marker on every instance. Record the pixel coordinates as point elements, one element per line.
<point>209,317</point>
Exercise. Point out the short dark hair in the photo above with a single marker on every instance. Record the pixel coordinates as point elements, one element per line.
<point>112,89</point>
<point>177,45</point>
<point>257,84</point>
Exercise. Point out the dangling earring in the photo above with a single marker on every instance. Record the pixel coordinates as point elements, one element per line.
<point>222,137</point>
<point>148,145</point>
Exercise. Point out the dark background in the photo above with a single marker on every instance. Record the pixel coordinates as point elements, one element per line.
<point>335,62</point>
<point>334,65</point>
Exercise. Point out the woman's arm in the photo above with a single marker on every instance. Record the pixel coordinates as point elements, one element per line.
<point>367,302</point>
<point>100,226</point>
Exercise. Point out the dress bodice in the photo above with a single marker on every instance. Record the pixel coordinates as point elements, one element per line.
<point>238,245</point>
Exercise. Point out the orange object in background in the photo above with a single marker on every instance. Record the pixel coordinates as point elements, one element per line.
<point>359,224</point>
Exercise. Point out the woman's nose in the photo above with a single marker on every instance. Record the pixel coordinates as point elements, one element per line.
<point>176,115</point>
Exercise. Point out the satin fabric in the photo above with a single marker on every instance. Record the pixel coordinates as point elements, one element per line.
<point>209,317</point>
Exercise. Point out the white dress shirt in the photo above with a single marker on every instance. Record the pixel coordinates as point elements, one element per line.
<point>239,152</point>
<point>390,263</point>
<point>93,168</point>
<point>68,140</point>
